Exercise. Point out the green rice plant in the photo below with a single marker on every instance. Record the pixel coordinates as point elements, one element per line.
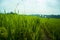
<point>23,27</point>
<point>3,33</point>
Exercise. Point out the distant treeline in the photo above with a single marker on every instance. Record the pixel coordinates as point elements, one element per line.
<point>47,16</point>
<point>39,15</point>
<point>50,16</point>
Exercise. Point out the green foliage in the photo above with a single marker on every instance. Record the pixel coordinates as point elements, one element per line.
<point>3,33</point>
<point>21,27</point>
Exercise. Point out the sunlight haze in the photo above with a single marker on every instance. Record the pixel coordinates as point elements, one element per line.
<point>31,6</point>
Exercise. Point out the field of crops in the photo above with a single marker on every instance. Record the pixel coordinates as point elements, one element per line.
<point>23,27</point>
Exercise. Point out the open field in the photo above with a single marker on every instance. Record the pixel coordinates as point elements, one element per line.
<point>22,27</point>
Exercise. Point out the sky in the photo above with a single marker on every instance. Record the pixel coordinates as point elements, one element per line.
<point>31,6</point>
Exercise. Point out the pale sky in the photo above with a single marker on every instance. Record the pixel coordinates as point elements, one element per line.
<point>31,6</point>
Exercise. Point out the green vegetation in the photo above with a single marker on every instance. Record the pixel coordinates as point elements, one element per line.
<point>22,27</point>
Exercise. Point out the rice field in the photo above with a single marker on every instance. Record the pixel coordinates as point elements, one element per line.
<point>24,27</point>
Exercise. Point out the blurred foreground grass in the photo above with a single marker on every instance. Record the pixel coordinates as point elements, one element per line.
<point>22,27</point>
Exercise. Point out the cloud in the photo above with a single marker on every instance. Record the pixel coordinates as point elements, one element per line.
<point>54,4</point>
<point>32,6</point>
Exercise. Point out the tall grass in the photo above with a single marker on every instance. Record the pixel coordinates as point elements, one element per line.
<point>21,27</point>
